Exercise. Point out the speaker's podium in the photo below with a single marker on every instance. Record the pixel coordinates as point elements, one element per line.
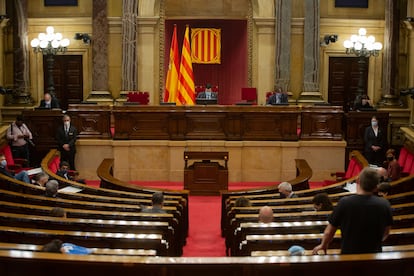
<point>204,176</point>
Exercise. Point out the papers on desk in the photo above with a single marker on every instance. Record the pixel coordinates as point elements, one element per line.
<point>70,189</point>
<point>34,171</point>
<point>351,187</point>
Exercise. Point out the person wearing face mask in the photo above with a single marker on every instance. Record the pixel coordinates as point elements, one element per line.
<point>22,176</point>
<point>363,103</point>
<point>49,101</point>
<point>19,136</point>
<point>392,165</point>
<point>66,138</point>
<point>375,142</point>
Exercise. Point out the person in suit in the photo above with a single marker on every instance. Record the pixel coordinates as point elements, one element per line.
<point>362,102</point>
<point>285,190</point>
<point>278,97</point>
<point>157,204</point>
<point>49,101</point>
<point>265,214</point>
<point>207,94</point>
<point>375,143</point>
<point>66,138</point>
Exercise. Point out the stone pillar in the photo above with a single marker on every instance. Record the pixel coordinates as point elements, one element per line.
<point>390,93</point>
<point>311,57</point>
<point>283,18</point>
<point>148,38</point>
<point>410,73</point>
<point>21,94</point>
<point>129,45</point>
<point>99,53</point>
<point>3,24</point>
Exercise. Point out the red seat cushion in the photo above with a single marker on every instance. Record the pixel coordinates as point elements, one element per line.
<point>54,164</point>
<point>6,150</point>
<point>408,163</point>
<point>402,157</point>
<point>350,172</point>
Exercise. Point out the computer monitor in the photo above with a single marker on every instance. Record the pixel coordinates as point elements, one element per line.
<point>206,101</point>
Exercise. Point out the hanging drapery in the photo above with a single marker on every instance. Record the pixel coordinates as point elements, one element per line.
<point>206,45</point>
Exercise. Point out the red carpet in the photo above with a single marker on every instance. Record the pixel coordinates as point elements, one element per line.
<point>204,238</point>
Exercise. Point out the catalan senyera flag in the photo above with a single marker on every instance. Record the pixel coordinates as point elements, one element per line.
<point>206,45</point>
<point>171,83</point>
<point>186,88</point>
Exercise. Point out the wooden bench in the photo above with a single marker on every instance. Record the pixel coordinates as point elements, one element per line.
<point>95,225</point>
<point>280,253</point>
<point>95,251</point>
<point>87,239</point>
<point>308,241</point>
<point>384,264</point>
<point>301,227</point>
<point>301,181</point>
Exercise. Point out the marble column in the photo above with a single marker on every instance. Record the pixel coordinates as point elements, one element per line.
<point>99,52</point>
<point>3,24</point>
<point>129,45</point>
<point>283,15</point>
<point>390,93</point>
<point>21,94</point>
<point>410,33</point>
<point>311,57</point>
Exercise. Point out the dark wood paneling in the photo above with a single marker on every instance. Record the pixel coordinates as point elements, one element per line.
<point>344,75</point>
<point>68,79</point>
<point>91,121</point>
<point>43,125</point>
<point>322,123</point>
<point>206,123</point>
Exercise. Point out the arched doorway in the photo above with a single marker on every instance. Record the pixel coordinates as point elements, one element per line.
<point>234,72</point>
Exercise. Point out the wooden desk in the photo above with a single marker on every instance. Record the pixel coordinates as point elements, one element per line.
<point>91,121</point>
<point>206,177</point>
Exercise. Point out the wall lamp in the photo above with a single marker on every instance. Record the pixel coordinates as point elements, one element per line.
<point>84,37</point>
<point>328,39</point>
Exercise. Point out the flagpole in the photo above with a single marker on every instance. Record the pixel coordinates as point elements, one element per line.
<point>171,82</point>
<point>186,87</point>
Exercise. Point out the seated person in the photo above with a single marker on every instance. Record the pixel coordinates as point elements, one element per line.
<point>52,187</point>
<point>157,204</point>
<point>40,179</point>
<point>322,202</point>
<point>58,212</point>
<point>208,94</point>
<point>63,172</point>
<point>57,246</point>
<point>278,97</point>
<point>392,165</point>
<point>362,102</point>
<point>49,101</point>
<point>242,202</point>
<point>265,214</point>
<point>22,176</point>
<point>383,189</point>
<point>285,190</point>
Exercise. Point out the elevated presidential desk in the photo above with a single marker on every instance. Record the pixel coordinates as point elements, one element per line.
<point>206,123</point>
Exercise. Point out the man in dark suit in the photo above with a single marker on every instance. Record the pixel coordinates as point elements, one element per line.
<point>278,97</point>
<point>207,94</point>
<point>375,143</point>
<point>49,101</point>
<point>66,138</point>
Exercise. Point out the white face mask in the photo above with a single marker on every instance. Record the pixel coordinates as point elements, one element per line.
<point>374,123</point>
<point>3,163</point>
<point>67,124</point>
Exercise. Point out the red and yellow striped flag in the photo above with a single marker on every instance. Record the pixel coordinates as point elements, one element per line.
<point>171,83</point>
<point>186,88</point>
<point>206,45</point>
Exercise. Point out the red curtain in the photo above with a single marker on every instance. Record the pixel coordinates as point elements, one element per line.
<point>231,75</point>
